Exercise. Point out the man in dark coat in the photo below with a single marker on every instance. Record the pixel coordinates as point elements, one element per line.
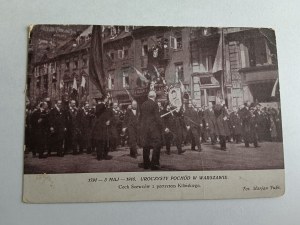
<point>84,118</point>
<point>192,122</point>
<point>221,123</point>
<point>203,130</point>
<point>131,125</point>
<point>253,125</point>
<point>58,127</point>
<point>210,120</point>
<point>236,124</point>
<point>249,122</point>
<point>39,124</point>
<point>72,135</point>
<point>102,132</point>
<point>167,123</point>
<point>151,132</point>
<point>261,122</point>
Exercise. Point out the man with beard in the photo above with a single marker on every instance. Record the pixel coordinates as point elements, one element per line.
<point>131,125</point>
<point>151,132</point>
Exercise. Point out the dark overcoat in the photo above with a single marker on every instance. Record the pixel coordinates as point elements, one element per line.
<point>57,120</point>
<point>151,124</point>
<point>84,118</point>
<point>101,131</point>
<point>210,120</point>
<point>222,128</point>
<point>131,122</point>
<point>39,124</point>
<point>235,123</point>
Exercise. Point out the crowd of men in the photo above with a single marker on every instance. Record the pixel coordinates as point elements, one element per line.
<point>66,129</point>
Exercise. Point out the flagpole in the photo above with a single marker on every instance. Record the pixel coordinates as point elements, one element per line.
<point>223,67</point>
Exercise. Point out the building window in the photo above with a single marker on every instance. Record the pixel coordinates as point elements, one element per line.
<point>125,79</point>
<point>113,31</point>
<point>112,56</point>
<point>196,87</point>
<point>75,65</point>
<point>126,28</point>
<point>179,76</point>
<point>45,80</point>
<point>206,63</point>
<point>111,80</point>
<point>179,42</point>
<point>173,42</point>
<point>67,66</point>
<point>257,52</point>
<point>38,82</point>
<point>126,53</point>
<point>84,62</point>
<point>120,54</point>
<point>176,41</point>
<point>144,47</point>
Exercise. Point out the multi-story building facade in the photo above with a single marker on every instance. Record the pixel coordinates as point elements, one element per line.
<point>237,64</point>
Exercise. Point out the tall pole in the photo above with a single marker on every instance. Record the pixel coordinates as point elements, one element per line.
<point>223,66</point>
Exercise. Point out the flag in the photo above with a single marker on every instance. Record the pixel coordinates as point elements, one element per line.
<point>219,58</point>
<point>156,70</point>
<point>96,69</point>
<point>61,84</point>
<point>82,82</point>
<point>141,76</point>
<point>274,88</point>
<point>75,84</point>
<point>129,95</point>
<point>182,88</point>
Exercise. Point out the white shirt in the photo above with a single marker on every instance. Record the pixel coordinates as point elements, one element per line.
<point>134,111</point>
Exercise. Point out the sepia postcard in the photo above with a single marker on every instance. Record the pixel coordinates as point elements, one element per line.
<point>130,113</point>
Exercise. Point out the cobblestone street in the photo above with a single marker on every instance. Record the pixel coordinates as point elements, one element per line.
<point>237,157</point>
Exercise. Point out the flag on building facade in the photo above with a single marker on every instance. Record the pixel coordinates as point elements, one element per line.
<point>273,94</point>
<point>83,81</point>
<point>129,95</point>
<point>182,86</point>
<point>96,69</point>
<point>61,84</point>
<point>75,84</point>
<point>218,63</point>
<point>141,76</point>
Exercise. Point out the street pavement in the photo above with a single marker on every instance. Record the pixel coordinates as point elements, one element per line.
<point>237,157</point>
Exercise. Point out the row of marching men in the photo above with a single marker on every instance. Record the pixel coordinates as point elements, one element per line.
<point>104,127</point>
<point>62,129</point>
<point>250,123</point>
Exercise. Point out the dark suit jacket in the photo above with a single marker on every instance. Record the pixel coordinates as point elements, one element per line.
<point>131,122</point>
<point>57,120</point>
<point>210,119</point>
<point>151,124</point>
<point>191,118</point>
